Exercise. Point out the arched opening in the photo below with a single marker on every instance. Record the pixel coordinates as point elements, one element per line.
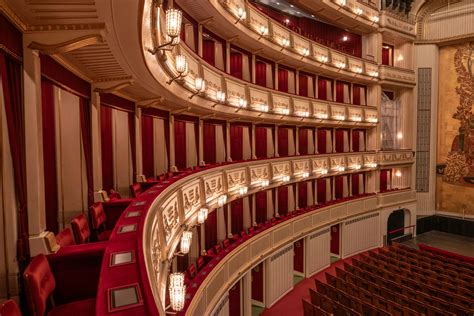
<point>396,224</point>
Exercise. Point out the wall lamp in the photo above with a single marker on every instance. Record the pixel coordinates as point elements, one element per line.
<point>220,98</point>
<point>202,215</point>
<point>181,66</point>
<point>173,21</point>
<point>263,30</point>
<point>284,43</point>
<point>304,52</point>
<point>242,103</point>
<point>241,14</point>
<point>199,85</point>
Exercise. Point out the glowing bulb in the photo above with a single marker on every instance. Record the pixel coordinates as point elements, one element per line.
<point>173,21</point>
<point>399,135</point>
<point>375,19</point>
<point>186,239</point>
<point>181,64</point>
<point>220,96</point>
<point>264,183</point>
<point>242,103</point>
<point>285,178</point>
<point>177,291</point>
<point>345,38</point>
<point>202,215</point>
<point>221,200</point>
<point>305,174</point>
<point>243,190</point>
<point>358,11</point>
<point>398,173</point>
<point>285,42</point>
<point>264,108</point>
<point>199,84</point>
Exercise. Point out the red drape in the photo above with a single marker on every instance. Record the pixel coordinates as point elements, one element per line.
<point>236,142</point>
<point>261,142</point>
<point>11,74</point>
<point>385,55</point>
<point>236,65</point>
<point>339,187</point>
<point>321,189</point>
<point>302,194</point>
<point>208,51</point>
<point>339,140</point>
<point>258,282</point>
<point>384,178</point>
<point>131,133</point>
<point>211,230</point>
<point>283,200</point>
<point>322,140</point>
<point>49,156</point>
<point>282,80</point>
<point>209,139</point>
<point>86,132</point>
<point>283,141</point>
<point>107,148</point>
<point>10,36</point>
<point>322,89</point>
<point>356,89</point>
<point>180,144</point>
<point>355,140</point>
<point>339,91</point>
<point>147,146</point>
<point>261,73</point>
<point>355,183</point>
<point>261,207</point>
<point>237,214</point>
<point>234,300</point>
<point>303,141</point>
<point>303,85</point>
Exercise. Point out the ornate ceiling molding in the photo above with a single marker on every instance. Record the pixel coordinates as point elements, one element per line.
<point>67,46</point>
<point>424,13</point>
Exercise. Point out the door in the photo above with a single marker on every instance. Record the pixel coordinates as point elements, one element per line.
<point>298,258</point>
<point>335,239</point>
<point>257,283</point>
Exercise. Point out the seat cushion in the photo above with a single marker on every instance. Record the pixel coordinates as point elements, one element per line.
<point>104,236</point>
<point>79,308</point>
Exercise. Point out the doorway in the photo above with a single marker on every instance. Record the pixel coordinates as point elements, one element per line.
<point>298,261</point>
<point>258,289</point>
<point>335,247</point>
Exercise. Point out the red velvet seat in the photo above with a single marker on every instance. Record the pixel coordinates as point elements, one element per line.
<point>81,229</point>
<point>251,230</point>
<point>98,219</point>
<point>40,284</point>
<point>210,252</point>
<point>114,195</point>
<point>136,189</point>
<point>9,308</point>
<point>65,238</point>
<point>200,262</point>
<point>192,271</point>
<point>226,243</point>
<point>218,248</point>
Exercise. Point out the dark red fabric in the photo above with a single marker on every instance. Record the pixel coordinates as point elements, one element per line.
<point>258,282</point>
<point>131,133</point>
<point>11,74</point>
<point>321,189</point>
<point>303,141</point>
<point>236,142</point>
<point>209,139</point>
<point>237,215</point>
<point>283,141</point>
<point>322,140</point>
<point>11,37</point>
<point>261,207</point>
<point>335,239</point>
<point>234,300</point>
<point>261,73</point>
<point>236,65</point>
<point>49,156</point>
<point>340,91</point>
<point>282,79</point>
<point>302,194</point>
<point>322,89</point>
<point>339,140</point>
<point>355,183</point>
<point>339,186</point>
<point>107,148</point>
<point>180,144</point>
<point>86,133</point>
<point>356,92</point>
<point>261,142</point>
<point>303,85</point>
<point>298,258</point>
<point>386,55</point>
<point>384,179</point>
<point>208,51</point>
<point>282,200</point>
<point>211,230</point>
<point>148,153</point>
<point>117,102</point>
<point>355,141</point>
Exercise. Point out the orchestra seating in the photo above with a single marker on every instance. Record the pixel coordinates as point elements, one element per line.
<point>395,281</point>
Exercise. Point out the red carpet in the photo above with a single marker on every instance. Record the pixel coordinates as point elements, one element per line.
<point>291,304</point>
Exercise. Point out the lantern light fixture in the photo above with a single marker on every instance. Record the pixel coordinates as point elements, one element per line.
<point>185,244</point>
<point>323,171</point>
<point>202,215</point>
<point>199,85</point>
<point>177,291</point>
<point>375,19</point>
<point>358,11</point>
<point>243,190</point>
<point>304,52</point>
<point>173,20</point>
<point>220,98</point>
<point>262,30</point>
<point>305,174</point>
<point>181,66</point>
<point>285,178</point>
<point>241,15</point>
<point>322,58</point>
<point>371,164</point>
<point>221,200</point>
<point>398,173</point>
<point>265,183</point>
<point>371,119</point>
<point>284,43</point>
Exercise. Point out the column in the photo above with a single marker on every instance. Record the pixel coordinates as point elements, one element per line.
<point>276,77</point>
<point>297,140</point>
<point>203,239</point>
<point>253,206</point>
<point>315,139</point>
<point>200,40</point>
<point>333,138</point>
<point>227,208</point>
<point>201,143</point>
<point>227,142</point>
<point>247,293</point>
<point>276,141</point>
<point>254,71</point>
<point>254,155</point>
<point>297,81</point>
<point>350,141</point>
<point>333,188</point>
<point>96,137</point>
<point>275,202</point>
<point>296,195</point>
<point>138,142</point>
<point>227,57</point>
<point>172,153</point>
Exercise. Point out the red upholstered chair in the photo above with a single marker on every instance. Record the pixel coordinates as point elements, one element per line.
<point>98,218</point>
<point>114,195</point>
<point>65,238</point>
<point>81,230</point>
<point>200,262</point>
<point>210,252</point>
<point>192,271</point>
<point>9,308</point>
<point>218,248</point>
<point>136,189</point>
<point>226,243</point>
<point>243,234</point>
<point>40,284</point>
<point>251,230</point>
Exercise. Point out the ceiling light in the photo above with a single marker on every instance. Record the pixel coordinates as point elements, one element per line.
<point>345,38</point>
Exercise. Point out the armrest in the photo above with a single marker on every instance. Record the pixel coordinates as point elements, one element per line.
<point>113,210</point>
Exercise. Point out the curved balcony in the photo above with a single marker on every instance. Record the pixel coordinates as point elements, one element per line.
<point>397,76</point>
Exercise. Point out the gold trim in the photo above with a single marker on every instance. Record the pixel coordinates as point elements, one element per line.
<point>67,46</point>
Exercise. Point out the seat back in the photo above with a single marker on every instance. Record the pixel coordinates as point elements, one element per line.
<point>251,230</point>
<point>65,238</point>
<point>136,189</point>
<point>39,283</point>
<point>97,215</point>
<point>200,262</point>
<point>192,271</point>
<point>218,248</point>
<point>114,194</point>
<point>80,228</point>
<point>9,308</point>
<point>226,243</point>
<point>210,252</point>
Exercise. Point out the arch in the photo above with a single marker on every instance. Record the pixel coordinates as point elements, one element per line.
<point>397,220</point>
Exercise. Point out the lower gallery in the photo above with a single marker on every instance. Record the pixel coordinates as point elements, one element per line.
<point>236,157</point>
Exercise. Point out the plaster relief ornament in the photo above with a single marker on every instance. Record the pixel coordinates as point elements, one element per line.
<point>460,162</point>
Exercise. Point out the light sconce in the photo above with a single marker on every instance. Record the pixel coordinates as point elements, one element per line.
<point>398,173</point>
<point>345,38</point>
<point>357,69</point>
<point>242,103</point>
<point>186,239</point>
<point>358,11</point>
<point>399,135</point>
<point>356,118</point>
<point>340,168</point>
<point>304,52</point>
<point>323,171</point>
<point>373,73</point>
<point>177,291</point>
<point>371,164</point>
<point>339,117</point>
<point>243,190</point>
<point>221,200</point>
<point>241,15</point>
<point>371,119</point>
<point>400,57</point>
<point>321,115</point>
<point>283,112</point>
<point>305,174</point>
<point>263,30</point>
<point>322,58</point>
<point>356,166</point>
<point>287,21</point>
<point>284,43</point>
<point>340,65</point>
<point>265,183</point>
<point>375,19</point>
<point>264,107</point>
<point>199,85</point>
<point>285,178</point>
<point>342,3</point>
<point>173,19</point>
<point>202,215</point>
<point>220,98</point>
<point>181,66</point>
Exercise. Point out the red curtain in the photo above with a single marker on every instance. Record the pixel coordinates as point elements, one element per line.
<point>355,140</point>
<point>283,141</point>
<point>303,141</point>
<point>236,145</point>
<point>86,132</point>
<point>147,146</point>
<point>131,132</point>
<point>303,85</point>
<point>234,300</point>
<point>282,80</point>
<point>49,156</point>
<point>261,73</point>
<point>339,91</point>
<point>339,140</point>
<point>236,65</point>
<point>261,207</point>
<point>283,200</point>
<point>322,140</point>
<point>303,194</point>
<point>211,230</point>
<point>107,147</point>
<point>356,89</point>
<point>385,55</point>
<point>11,74</point>
<point>261,142</point>
<point>180,144</point>
<point>322,89</point>
<point>237,213</point>
<point>321,190</point>
<point>208,51</point>
<point>384,178</point>
<point>258,283</point>
<point>339,187</point>
<point>209,138</point>
<point>355,183</point>
<point>10,36</point>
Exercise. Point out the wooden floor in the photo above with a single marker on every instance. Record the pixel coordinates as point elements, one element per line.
<point>449,242</point>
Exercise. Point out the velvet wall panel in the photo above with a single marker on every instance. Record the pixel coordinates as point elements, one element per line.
<point>209,140</point>
<point>180,144</point>
<point>148,159</point>
<point>106,147</point>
